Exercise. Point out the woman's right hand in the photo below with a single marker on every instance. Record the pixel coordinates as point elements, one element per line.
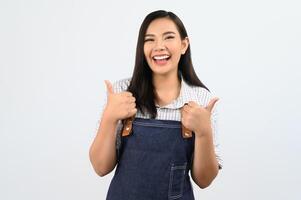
<point>119,105</point>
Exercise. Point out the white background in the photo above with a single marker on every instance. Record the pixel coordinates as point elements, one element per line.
<point>55,55</point>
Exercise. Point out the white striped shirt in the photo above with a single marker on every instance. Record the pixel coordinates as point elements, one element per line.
<point>172,111</point>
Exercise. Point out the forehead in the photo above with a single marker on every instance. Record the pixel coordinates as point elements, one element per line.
<point>160,26</point>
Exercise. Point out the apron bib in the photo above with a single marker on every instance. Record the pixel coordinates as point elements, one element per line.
<point>154,163</point>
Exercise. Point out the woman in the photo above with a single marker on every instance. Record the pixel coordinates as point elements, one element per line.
<point>167,128</point>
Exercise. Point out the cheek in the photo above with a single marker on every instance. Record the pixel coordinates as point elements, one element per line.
<point>176,57</point>
<point>176,50</point>
<point>146,52</point>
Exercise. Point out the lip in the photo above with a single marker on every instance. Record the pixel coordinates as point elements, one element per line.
<point>161,62</point>
<point>153,57</point>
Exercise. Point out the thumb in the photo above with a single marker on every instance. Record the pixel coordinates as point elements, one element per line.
<point>212,103</point>
<point>109,87</point>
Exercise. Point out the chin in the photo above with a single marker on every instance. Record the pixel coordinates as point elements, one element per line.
<point>162,72</point>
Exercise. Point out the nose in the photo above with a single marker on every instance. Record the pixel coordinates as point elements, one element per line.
<point>159,46</point>
<point>160,49</point>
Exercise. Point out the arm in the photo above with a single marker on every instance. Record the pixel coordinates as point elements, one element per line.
<point>205,165</point>
<point>103,150</point>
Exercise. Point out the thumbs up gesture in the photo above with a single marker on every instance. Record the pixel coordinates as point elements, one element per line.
<point>119,105</point>
<point>197,118</point>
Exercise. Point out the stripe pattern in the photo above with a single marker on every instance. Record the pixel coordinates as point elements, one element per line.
<point>172,111</point>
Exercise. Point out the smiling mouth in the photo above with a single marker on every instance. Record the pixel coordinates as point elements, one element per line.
<point>161,59</point>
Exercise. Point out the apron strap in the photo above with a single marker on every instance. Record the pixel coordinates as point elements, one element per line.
<point>186,133</point>
<point>128,125</point>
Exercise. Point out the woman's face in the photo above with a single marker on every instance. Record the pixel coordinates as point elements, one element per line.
<point>163,46</point>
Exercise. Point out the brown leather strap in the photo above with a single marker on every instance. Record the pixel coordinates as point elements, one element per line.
<point>127,126</point>
<point>186,133</point>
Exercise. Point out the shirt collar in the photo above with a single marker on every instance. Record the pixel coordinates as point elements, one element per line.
<point>185,93</point>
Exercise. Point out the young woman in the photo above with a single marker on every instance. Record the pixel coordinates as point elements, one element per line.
<point>163,119</point>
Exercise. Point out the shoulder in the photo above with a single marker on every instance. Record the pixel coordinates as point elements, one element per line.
<point>198,94</point>
<point>121,84</point>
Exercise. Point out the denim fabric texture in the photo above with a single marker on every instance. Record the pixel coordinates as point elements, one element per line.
<point>154,163</point>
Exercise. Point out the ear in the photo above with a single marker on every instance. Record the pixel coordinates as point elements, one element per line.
<point>185,45</point>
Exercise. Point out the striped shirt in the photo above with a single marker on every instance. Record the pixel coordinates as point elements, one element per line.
<point>172,111</point>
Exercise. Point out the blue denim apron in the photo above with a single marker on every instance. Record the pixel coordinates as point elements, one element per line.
<point>154,163</point>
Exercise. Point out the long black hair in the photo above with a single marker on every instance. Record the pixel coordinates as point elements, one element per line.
<point>141,85</point>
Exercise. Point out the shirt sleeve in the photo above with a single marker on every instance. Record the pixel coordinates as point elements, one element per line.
<point>204,96</point>
<point>215,132</point>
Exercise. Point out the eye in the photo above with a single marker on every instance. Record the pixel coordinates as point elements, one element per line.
<point>149,39</point>
<point>170,37</point>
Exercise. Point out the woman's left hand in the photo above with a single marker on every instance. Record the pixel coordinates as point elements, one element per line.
<point>198,118</point>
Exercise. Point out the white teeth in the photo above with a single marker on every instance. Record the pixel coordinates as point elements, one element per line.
<point>161,57</point>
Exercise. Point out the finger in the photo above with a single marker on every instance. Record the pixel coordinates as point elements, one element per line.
<point>132,105</point>
<point>212,103</point>
<point>129,100</point>
<point>127,94</point>
<point>183,120</point>
<point>192,104</point>
<point>188,108</point>
<point>132,100</point>
<point>184,110</point>
<point>109,87</point>
<point>133,111</point>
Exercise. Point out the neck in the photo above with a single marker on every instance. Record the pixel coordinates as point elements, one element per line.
<point>167,88</point>
<point>165,82</point>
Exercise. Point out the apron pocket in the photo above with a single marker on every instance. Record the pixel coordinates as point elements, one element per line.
<point>176,180</point>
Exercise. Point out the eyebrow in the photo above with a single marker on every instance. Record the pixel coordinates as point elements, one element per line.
<point>165,33</point>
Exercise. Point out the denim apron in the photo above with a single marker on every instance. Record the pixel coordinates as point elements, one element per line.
<point>154,163</point>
